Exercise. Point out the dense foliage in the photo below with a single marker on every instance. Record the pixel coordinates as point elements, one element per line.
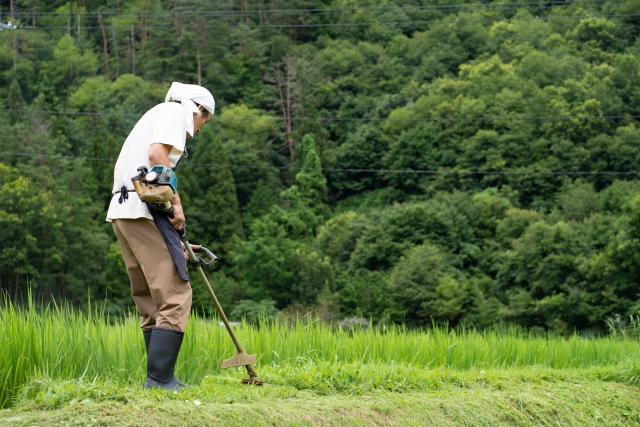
<point>306,184</point>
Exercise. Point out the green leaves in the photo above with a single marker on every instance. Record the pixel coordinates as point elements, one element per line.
<point>70,64</point>
<point>425,286</point>
<point>493,105</point>
<point>31,229</point>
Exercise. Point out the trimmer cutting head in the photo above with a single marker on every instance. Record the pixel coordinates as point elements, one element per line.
<point>246,360</point>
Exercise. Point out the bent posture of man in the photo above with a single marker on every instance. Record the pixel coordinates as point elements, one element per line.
<point>160,289</point>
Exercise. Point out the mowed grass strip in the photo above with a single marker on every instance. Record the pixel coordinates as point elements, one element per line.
<point>68,344</point>
<point>514,397</point>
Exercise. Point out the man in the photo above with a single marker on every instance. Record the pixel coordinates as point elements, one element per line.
<point>160,289</point>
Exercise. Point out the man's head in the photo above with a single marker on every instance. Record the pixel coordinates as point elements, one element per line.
<point>200,119</point>
<point>197,101</point>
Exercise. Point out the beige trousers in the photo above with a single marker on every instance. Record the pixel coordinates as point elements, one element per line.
<point>162,297</point>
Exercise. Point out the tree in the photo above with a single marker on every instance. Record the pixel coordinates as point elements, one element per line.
<point>425,286</point>
<point>15,100</point>
<point>296,82</point>
<point>32,234</point>
<point>311,183</point>
<point>210,201</point>
<point>364,149</point>
<point>306,200</point>
<point>70,64</point>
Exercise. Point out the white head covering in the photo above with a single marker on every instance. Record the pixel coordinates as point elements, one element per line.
<point>188,95</point>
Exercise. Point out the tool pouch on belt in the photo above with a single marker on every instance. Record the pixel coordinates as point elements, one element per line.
<point>172,239</point>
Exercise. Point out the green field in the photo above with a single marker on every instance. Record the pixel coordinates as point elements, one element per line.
<point>64,367</point>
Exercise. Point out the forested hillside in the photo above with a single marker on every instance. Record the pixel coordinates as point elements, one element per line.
<point>404,161</point>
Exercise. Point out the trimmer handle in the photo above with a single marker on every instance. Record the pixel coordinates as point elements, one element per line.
<point>195,260</point>
<point>208,254</point>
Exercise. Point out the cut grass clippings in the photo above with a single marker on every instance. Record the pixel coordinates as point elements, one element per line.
<point>515,397</point>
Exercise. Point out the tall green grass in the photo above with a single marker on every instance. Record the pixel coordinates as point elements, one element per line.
<point>64,343</point>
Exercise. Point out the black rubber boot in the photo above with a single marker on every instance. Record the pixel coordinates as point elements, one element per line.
<point>147,339</point>
<point>162,354</point>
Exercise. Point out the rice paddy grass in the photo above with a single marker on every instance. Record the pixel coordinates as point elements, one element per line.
<point>70,344</point>
<point>56,362</point>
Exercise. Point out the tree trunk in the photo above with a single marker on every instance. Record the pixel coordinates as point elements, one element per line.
<point>199,69</point>
<point>133,50</point>
<point>104,45</point>
<point>13,20</point>
<point>176,5</point>
<point>181,50</point>
<point>264,11</point>
<point>289,127</point>
<point>143,24</point>
<point>285,107</point>
<point>115,49</point>
<point>143,31</point>
<point>233,15</point>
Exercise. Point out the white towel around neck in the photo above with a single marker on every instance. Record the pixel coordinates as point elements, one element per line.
<point>188,96</point>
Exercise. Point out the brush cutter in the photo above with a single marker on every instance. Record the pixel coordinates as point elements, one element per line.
<point>156,187</point>
<point>241,357</point>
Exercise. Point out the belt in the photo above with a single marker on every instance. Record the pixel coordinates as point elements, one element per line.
<point>124,193</point>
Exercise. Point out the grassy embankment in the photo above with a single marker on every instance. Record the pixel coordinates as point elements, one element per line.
<point>61,367</point>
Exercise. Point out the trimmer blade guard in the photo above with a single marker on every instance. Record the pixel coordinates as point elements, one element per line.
<point>251,381</point>
<point>240,359</point>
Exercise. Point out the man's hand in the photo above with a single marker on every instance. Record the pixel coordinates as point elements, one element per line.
<point>193,248</point>
<point>178,214</point>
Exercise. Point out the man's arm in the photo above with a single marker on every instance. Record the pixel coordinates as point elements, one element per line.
<point>159,155</point>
